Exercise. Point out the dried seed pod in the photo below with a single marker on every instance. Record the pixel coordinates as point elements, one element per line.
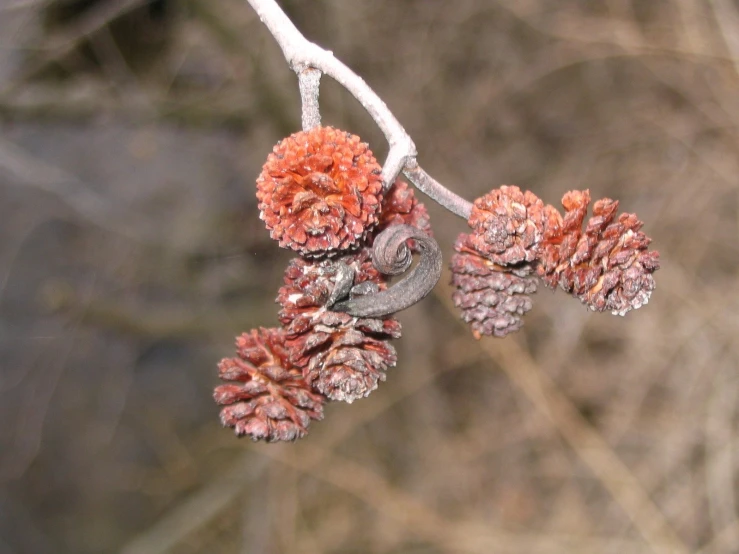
<point>492,270</point>
<point>492,299</point>
<point>310,285</point>
<point>342,356</point>
<point>320,192</point>
<point>507,226</point>
<point>401,207</point>
<point>346,357</point>
<point>267,397</point>
<point>608,265</point>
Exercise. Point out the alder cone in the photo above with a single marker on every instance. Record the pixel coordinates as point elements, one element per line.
<point>492,299</point>
<point>308,285</point>
<point>343,357</point>
<point>401,207</point>
<point>320,192</point>
<point>608,265</point>
<point>267,397</point>
<point>507,226</point>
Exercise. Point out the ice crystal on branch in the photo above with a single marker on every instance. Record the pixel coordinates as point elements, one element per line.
<point>266,397</point>
<point>320,191</point>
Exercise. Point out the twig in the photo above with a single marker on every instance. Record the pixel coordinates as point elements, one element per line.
<point>198,509</point>
<point>434,190</point>
<point>727,19</point>
<point>24,169</point>
<point>421,520</point>
<point>302,55</point>
<point>310,81</point>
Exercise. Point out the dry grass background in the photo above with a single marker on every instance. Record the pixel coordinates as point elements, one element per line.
<point>131,253</point>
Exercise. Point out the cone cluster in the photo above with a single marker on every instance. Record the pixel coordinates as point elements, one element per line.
<point>319,194</point>
<point>515,236</point>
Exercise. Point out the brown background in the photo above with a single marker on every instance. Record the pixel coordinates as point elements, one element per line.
<point>131,254</point>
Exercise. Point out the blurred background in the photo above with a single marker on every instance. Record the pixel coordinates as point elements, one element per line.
<point>131,254</point>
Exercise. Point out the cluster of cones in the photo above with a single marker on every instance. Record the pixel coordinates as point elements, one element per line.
<point>320,194</point>
<point>516,240</point>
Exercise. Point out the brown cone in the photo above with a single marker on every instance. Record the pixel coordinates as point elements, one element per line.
<point>309,284</point>
<point>320,191</point>
<point>268,398</point>
<point>343,357</point>
<point>492,299</point>
<point>507,226</point>
<point>401,207</point>
<point>608,266</point>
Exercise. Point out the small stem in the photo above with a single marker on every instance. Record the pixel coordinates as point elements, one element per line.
<point>309,80</point>
<point>392,256</point>
<point>397,159</point>
<point>436,191</point>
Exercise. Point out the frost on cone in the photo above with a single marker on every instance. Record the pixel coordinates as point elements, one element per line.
<point>320,192</point>
<point>267,397</point>
<point>492,299</point>
<point>343,357</point>
<point>608,266</point>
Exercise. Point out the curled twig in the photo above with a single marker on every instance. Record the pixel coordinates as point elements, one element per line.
<point>392,256</point>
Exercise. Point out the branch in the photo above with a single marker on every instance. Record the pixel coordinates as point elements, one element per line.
<point>310,81</point>
<point>436,191</point>
<point>302,55</point>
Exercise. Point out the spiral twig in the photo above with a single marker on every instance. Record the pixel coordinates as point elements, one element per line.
<point>392,256</point>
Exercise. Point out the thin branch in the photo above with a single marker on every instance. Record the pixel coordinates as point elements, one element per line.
<point>310,81</point>
<point>727,19</point>
<point>301,55</point>
<point>436,191</point>
<point>21,168</point>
